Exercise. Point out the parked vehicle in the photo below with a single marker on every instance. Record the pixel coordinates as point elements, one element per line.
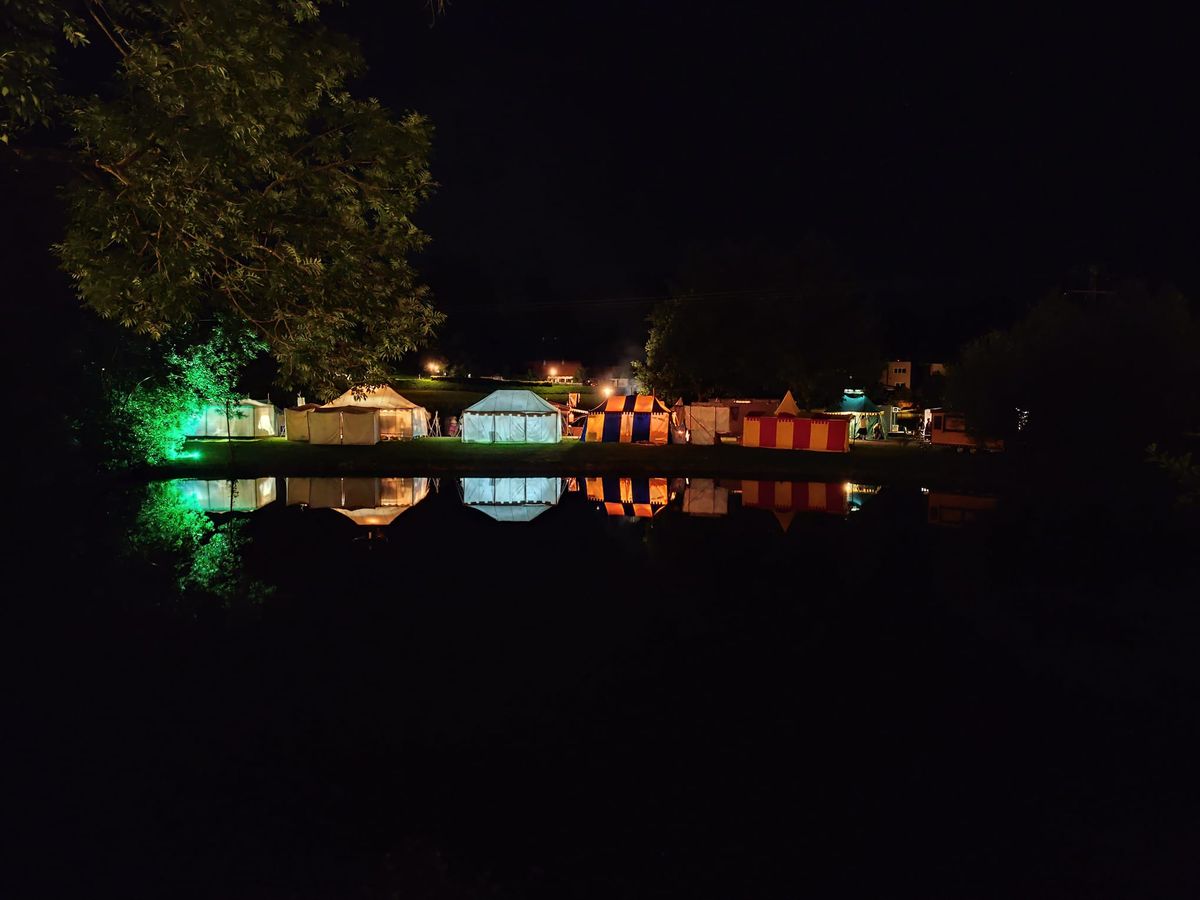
<point>947,428</point>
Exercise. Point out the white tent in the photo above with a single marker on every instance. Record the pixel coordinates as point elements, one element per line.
<point>295,421</point>
<point>366,501</point>
<point>225,495</point>
<point>343,425</point>
<point>511,499</point>
<point>246,418</point>
<point>399,419</point>
<point>505,417</point>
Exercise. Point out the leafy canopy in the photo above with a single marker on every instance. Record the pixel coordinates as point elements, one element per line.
<point>149,420</point>
<point>228,171</point>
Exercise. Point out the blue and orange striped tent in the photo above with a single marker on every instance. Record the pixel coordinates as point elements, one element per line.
<point>631,419</point>
<point>641,498</point>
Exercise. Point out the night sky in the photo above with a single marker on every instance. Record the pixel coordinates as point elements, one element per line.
<point>962,162</point>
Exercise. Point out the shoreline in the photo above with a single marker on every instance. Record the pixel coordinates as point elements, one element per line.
<point>866,463</point>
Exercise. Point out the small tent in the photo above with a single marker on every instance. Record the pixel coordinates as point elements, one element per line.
<point>365,501</point>
<point>515,499</point>
<point>399,418</point>
<point>856,407</point>
<point>227,495</point>
<point>343,425</point>
<point>629,419</point>
<point>246,418</point>
<point>788,430</point>
<point>295,421</point>
<point>509,416</point>
<point>637,497</point>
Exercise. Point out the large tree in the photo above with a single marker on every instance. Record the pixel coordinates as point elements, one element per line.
<point>227,173</point>
<point>752,319</point>
<point>1106,372</point>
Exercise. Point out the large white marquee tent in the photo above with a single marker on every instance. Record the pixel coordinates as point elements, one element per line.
<point>399,418</point>
<point>246,418</point>
<point>512,417</point>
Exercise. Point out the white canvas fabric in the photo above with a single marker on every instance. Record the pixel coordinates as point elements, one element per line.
<point>246,418</point>
<point>509,416</point>
<point>325,426</point>
<point>511,499</point>
<point>295,423</point>
<point>704,423</point>
<point>399,417</point>
<point>360,426</point>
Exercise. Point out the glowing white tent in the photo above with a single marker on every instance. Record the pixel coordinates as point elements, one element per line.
<point>343,425</point>
<point>246,418</point>
<point>511,499</point>
<point>295,421</point>
<point>507,417</point>
<point>399,419</point>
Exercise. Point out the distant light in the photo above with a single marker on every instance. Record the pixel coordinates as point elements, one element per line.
<point>848,487</point>
<point>608,392</point>
<point>553,372</point>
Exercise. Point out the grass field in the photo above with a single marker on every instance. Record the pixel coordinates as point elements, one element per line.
<point>869,463</point>
<point>450,396</point>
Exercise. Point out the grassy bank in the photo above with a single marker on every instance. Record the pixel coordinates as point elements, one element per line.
<point>450,396</point>
<point>867,463</point>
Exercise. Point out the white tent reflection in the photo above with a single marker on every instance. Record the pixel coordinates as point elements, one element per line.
<point>227,495</point>
<point>511,499</point>
<point>365,501</point>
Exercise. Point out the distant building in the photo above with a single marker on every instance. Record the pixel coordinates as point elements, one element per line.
<point>557,371</point>
<point>937,368</point>
<point>897,373</point>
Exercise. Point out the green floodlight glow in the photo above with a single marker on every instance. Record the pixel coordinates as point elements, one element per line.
<point>206,553</point>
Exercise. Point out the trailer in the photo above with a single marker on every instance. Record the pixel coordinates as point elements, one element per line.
<point>947,428</point>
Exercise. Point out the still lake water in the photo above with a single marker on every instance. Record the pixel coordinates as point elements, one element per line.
<point>574,687</point>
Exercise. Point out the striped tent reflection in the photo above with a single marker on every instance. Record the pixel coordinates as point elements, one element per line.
<point>640,498</point>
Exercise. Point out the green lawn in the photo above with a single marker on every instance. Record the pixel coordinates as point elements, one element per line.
<point>866,463</point>
<point>450,396</point>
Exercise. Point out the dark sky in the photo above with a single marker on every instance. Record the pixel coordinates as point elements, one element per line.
<point>962,161</point>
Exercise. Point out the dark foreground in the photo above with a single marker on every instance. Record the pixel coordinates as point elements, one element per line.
<point>589,706</point>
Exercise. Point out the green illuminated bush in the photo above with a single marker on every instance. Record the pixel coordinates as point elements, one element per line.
<point>148,422</point>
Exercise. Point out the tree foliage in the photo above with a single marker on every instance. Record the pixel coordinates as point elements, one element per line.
<point>228,172</point>
<point>749,320</point>
<point>1112,371</point>
<point>148,421</point>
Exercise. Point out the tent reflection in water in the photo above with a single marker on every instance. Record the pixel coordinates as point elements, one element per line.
<point>786,498</point>
<point>226,495</point>
<point>705,497</point>
<point>366,501</point>
<point>512,417</point>
<point>640,498</point>
<point>399,418</point>
<point>511,499</point>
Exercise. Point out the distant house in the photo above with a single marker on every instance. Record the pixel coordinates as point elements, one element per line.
<point>897,373</point>
<point>557,371</point>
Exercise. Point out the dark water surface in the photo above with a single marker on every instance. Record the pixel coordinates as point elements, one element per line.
<point>573,688</point>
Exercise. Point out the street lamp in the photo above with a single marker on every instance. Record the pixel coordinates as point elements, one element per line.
<point>608,392</point>
<point>553,372</point>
